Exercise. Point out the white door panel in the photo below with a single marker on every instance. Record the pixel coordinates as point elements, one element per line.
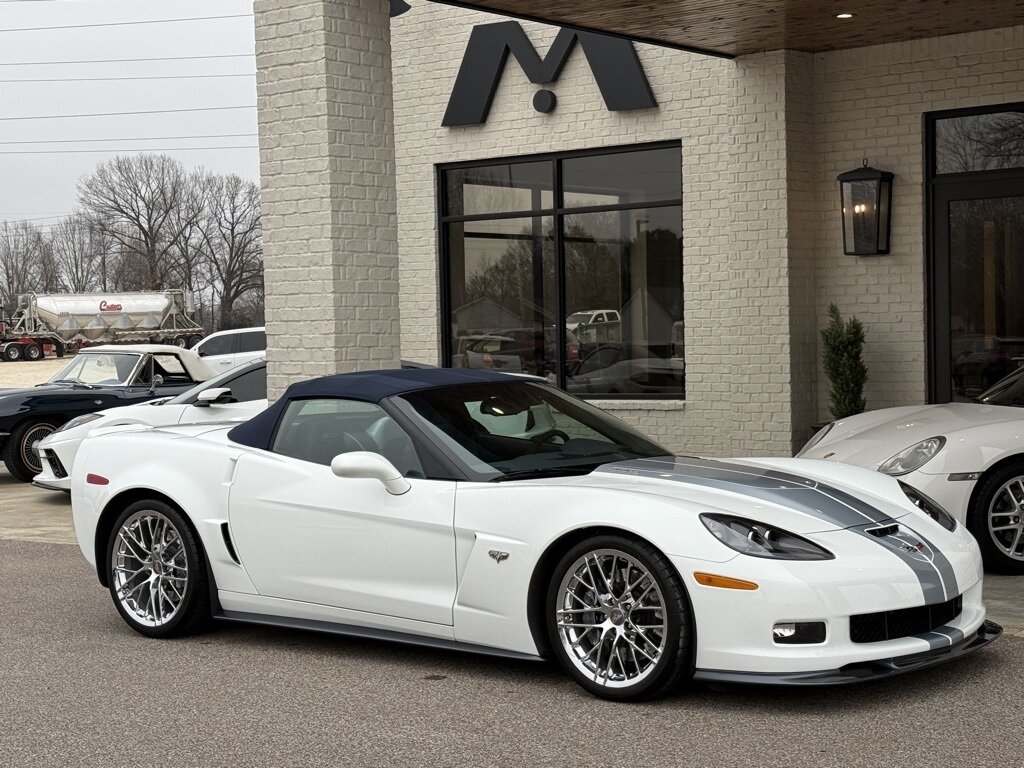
<point>304,534</point>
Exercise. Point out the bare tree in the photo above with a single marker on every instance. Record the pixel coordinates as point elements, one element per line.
<point>79,251</point>
<point>233,240</point>
<point>21,255</point>
<point>137,201</point>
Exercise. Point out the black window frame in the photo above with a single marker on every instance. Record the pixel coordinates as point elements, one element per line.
<point>558,213</point>
<point>941,188</point>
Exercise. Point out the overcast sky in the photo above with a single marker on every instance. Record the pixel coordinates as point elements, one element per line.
<point>42,186</point>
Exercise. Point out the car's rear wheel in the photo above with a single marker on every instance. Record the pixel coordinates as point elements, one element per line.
<point>619,619</point>
<point>157,572</point>
<point>21,453</point>
<point>996,519</point>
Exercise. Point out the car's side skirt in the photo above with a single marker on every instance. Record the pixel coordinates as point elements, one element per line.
<point>370,633</point>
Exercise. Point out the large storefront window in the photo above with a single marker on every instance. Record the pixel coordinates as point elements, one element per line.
<point>568,267</point>
<point>977,193</point>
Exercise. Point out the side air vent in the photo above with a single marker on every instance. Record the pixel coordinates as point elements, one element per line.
<point>885,530</point>
<point>228,543</point>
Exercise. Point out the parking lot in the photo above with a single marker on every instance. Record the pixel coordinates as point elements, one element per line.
<point>80,688</point>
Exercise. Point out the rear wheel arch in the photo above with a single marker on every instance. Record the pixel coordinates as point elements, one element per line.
<point>115,507</point>
<point>545,568</point>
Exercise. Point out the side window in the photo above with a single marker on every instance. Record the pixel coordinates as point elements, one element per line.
<point>249,386</point>
<point>252,341</point>
<point>599,317</point>
<point>218,345</point>
<point>318,430</point>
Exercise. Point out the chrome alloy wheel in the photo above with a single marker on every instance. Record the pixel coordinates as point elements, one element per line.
<point>611,618</point>
<point>149,568</point>
<point>1006,518</point>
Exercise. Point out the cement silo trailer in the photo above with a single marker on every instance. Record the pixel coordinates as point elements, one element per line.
<point>62,322</point>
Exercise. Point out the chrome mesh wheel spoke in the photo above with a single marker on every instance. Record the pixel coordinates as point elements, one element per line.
<point>610,636</point>
<point>1006,518</point>
<point>149,568</point>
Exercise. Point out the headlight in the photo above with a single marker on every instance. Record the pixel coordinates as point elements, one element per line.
<point>759,540</point>
<point>914,457</point>
<point>80,420</point>
<point>818,437</point>
<point>930,507</point>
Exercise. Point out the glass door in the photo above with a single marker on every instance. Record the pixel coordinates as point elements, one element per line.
<point>978,289</point>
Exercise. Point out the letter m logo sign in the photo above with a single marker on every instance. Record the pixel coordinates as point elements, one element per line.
<point>616,67</point>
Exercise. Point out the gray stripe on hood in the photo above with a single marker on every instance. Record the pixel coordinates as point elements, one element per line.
<point>811,497</point>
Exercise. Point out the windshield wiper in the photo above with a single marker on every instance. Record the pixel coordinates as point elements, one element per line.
<point>525,474</point>
<point>74,382</point>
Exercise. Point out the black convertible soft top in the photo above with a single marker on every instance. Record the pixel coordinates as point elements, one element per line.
<point>368,386</point>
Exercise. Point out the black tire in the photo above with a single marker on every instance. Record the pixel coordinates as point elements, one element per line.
<point>19,454</point>
<point>33,352</point>
<point>133,596</point>
<point>12,353</point>
<point>180,341</point>
<point>193,340</point>
<point>997,558</point>
<point>58,348</point>
<point>669,668</point>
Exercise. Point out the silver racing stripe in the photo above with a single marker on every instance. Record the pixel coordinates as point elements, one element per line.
<point>942,637</point>
<point>823,502</point>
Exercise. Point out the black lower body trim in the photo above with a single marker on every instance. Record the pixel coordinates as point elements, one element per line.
<point>370,633</point>
<point>863,671</point>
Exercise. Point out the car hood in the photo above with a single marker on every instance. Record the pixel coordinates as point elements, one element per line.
<point>799,495</point>
<point>868,439</point>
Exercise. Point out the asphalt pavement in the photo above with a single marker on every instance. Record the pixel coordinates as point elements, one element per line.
<point>78,688</point>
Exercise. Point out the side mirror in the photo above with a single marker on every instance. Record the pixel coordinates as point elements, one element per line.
<point>158,381</point>
<point>201,352</point>
<point>213,396</point>
<point>366,465</point>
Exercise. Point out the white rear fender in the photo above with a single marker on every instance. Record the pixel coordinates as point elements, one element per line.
<point>115,469</point>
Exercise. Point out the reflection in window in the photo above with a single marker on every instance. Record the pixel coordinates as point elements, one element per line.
<point>610,257</point>
<point>979,142</point>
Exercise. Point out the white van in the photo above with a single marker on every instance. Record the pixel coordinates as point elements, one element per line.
<point>226,349</point>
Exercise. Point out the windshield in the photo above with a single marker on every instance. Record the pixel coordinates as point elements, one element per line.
<point>578,317</point>
<point>1008,391</point>
<point>504,430</point>
<point>103,368</point>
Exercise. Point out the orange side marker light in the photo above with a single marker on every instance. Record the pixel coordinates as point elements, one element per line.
<point>711,580</point>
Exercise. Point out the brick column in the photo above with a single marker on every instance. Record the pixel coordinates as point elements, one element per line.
<point>327,166</point>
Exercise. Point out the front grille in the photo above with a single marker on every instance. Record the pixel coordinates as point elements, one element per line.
<point>55,466</point>
<point>890,625</point>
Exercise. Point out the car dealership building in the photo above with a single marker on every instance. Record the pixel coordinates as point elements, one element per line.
<point>652,222</point>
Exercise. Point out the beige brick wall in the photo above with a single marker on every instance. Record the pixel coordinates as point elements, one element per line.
<point>871,103</point>
<point>327,179</point>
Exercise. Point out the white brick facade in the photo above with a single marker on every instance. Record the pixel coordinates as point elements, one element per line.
<point>763,138</point>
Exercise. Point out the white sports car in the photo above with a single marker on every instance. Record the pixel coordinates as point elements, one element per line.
<point>969,457</point>
<point>492,513</point>
<point>237,395</point>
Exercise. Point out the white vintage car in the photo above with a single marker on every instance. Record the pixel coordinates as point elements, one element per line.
<point>493,513</point>
<point>968,457</point>
<point>237,395</point>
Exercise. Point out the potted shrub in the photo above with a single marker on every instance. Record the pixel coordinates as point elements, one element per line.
<point>842,344</point>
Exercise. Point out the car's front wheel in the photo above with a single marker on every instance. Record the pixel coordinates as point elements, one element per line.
<point>619,619</point>
<point>156,571</point>
<point>996,518</point>
<point>21,453</point>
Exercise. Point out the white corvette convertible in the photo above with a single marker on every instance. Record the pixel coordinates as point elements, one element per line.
<point>969,457</point>
<point>481,511</point>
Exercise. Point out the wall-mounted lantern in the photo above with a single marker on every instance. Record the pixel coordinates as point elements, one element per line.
<point>866,198</point>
